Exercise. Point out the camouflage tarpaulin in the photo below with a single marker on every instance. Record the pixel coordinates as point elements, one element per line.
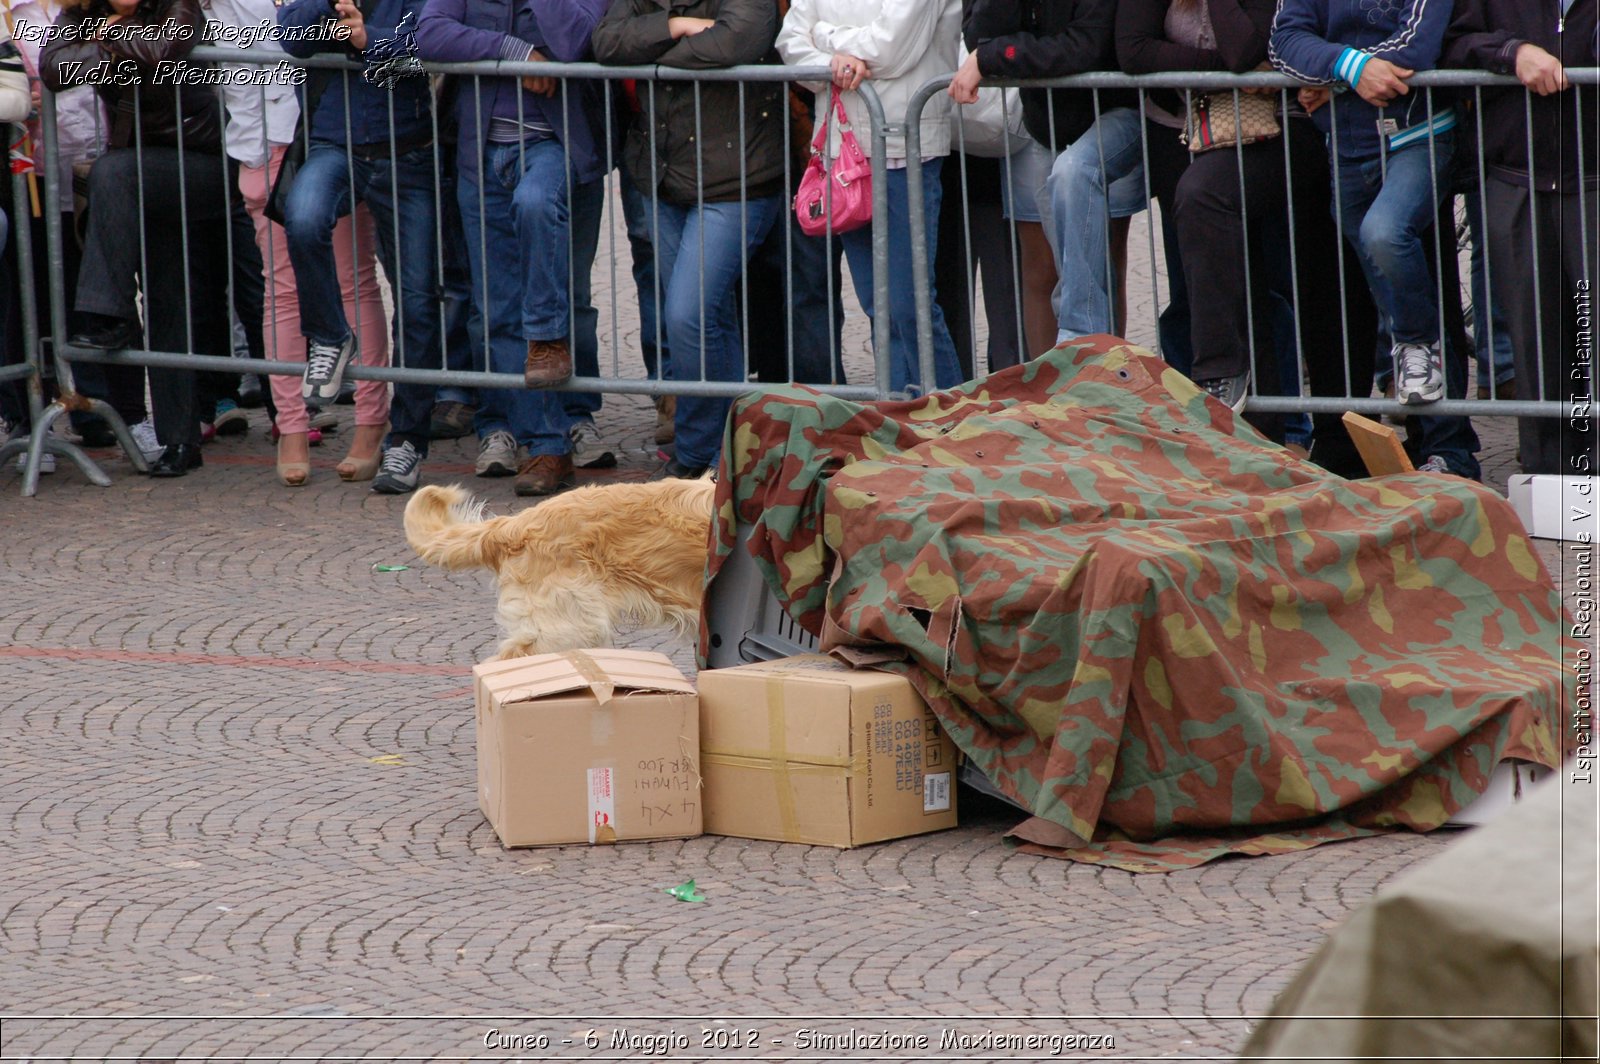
<point>1145,623</point>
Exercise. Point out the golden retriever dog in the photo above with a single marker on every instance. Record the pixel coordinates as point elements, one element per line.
<point>574,568</point>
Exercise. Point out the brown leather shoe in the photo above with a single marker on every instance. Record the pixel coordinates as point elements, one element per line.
<point>666,418</point>
<point>545,474</point>
<point>549,363</point>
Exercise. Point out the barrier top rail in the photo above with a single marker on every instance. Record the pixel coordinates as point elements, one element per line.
<point>765,73</point>
<point>1195,81</point>
<point>507,68</point>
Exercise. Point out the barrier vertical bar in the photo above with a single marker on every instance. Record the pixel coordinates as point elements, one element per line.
<point>880,243</point>
<point>1295,295</point>
<point>1533,240</point>
<point>1244,228</point>
<point>40,441</point>
<point>29,368</point>
<point>916,198</point>
<point>1482,234</point>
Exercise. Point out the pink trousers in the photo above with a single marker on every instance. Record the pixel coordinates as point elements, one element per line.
<point>357,274</point>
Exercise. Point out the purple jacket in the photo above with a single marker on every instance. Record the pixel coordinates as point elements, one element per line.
<point>456,31</point>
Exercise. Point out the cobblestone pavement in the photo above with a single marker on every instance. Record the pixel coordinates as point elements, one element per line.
<point>239,820</point>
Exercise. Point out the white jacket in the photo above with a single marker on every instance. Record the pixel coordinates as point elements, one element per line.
<point>903,42</point>
<point>80,119</point>
<point>259,117</point>
<point>15,99</point>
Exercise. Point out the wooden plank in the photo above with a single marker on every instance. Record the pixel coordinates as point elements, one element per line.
<point>1379,445</point>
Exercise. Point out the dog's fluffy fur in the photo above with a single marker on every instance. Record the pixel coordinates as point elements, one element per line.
<point>575,567</point>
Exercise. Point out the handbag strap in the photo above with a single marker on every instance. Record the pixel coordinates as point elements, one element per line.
<point>836,106</point>
<point>316,84</point>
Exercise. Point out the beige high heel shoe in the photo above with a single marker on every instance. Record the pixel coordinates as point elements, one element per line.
<point>354,469</point>
<point>294,474</point>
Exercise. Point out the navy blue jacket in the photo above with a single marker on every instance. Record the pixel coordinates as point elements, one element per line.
<point>456,31</point>
<point>1329,42</point>
<point>369,106</point>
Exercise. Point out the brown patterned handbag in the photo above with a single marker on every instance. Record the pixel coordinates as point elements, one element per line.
<point>1213,124</point>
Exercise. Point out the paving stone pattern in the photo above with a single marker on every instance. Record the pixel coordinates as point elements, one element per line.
<point>239,820</point>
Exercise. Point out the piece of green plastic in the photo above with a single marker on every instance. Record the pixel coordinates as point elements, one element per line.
<point>390,568</point>
<point>685,892</point>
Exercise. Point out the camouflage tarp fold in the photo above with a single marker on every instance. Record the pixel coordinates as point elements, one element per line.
<point>1148,625</point>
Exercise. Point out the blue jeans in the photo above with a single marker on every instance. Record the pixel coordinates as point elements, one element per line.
<point>636,215</point>
<point>1386,203</point>
<point>905,373</point>
<point>463,325</point>
<point>700,253</point>
<point>400,196</point>
<point>521,220</point>
<point>806,300</point>
<point>1488,323</point>
<point>1084,197</point>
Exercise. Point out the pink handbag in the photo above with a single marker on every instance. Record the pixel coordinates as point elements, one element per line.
<point>839,199</point>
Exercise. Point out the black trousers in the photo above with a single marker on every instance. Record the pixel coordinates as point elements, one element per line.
<point>1233,304</point>
<point>1556,314</point>
<point>185,203</point>
<point>976,239</point>
<point>1167,161</point>
<point>122,386</point>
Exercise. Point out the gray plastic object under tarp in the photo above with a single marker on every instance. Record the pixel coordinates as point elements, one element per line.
<point>747,624</point>
<point>1486,952</point>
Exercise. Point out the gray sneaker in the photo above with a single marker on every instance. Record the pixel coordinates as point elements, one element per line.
<point>589,451</point>
<point>1231,392</point>
<point>325,365</point>
<point>400,471</point>
<point>497,455</point>
<point>1418,373</point>
<point>318,418</point>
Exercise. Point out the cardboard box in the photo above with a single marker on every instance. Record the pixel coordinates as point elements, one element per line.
<point>807,749</point>
<point>1507,784</point>
<point>1556,507</point>
<point>594,746</point>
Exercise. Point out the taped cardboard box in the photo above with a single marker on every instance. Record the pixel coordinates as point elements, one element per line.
<point>594,746</point>
<point>807,749</point>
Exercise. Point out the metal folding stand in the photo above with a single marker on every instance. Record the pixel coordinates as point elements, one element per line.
<point>41,415</point>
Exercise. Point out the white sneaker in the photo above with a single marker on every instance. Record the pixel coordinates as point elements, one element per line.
<point>17,434</point>
<point>497,455</point>
<point>589,451</point>
<point>144,437</point>
<point>1418,373</point>
<point>47,463</point>
<point>1434,464</point>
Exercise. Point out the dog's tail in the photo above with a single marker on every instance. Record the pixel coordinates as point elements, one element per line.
<point>446,528</point>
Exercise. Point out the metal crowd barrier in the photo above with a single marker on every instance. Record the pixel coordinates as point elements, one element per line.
<point>1358,395</point>
<point>64,354</point>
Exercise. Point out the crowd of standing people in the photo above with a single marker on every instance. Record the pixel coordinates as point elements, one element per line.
<point>1308,238</point>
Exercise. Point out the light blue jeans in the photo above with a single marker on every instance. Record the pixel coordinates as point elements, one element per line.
<point>1099,177</point>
